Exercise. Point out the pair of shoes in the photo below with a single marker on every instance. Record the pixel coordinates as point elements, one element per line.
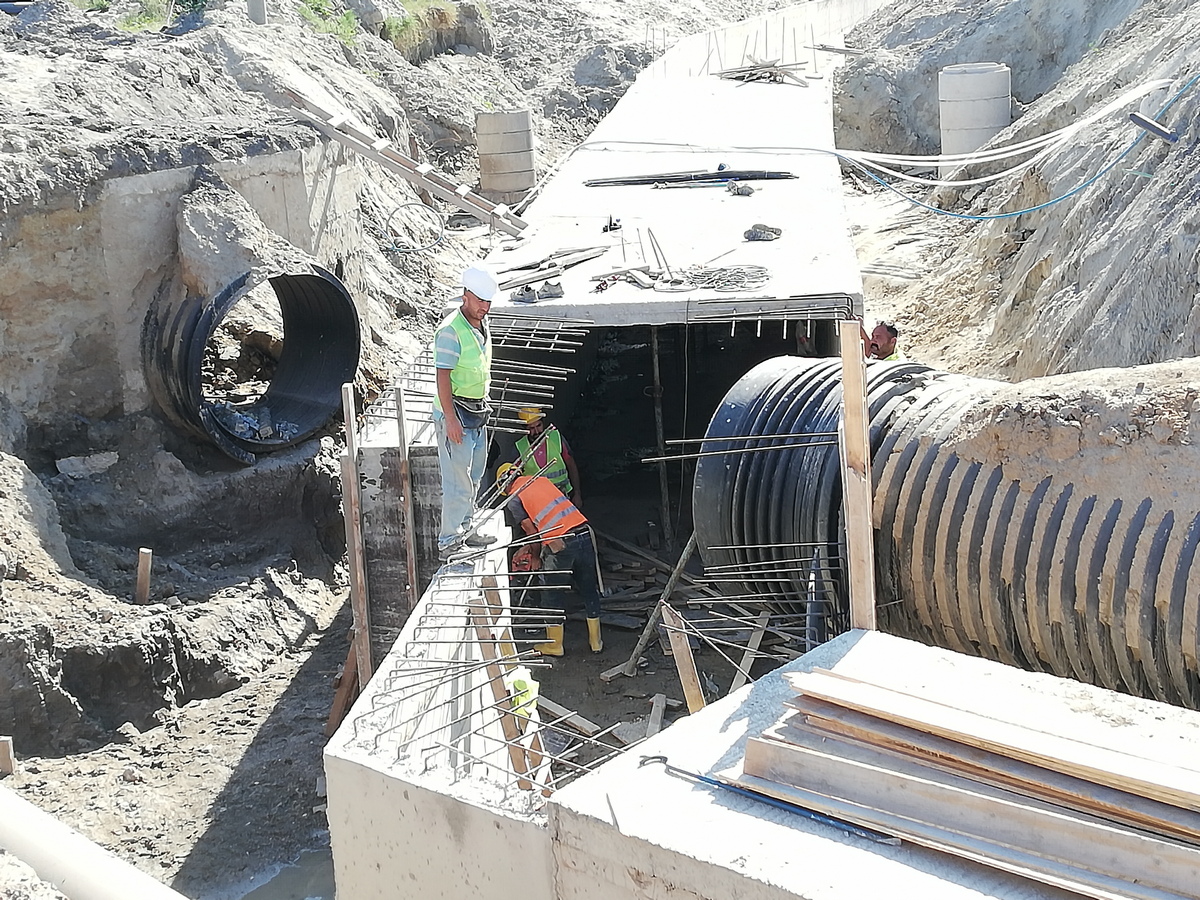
<point>478,541</point>
<point>760,234</point>
<point>527,294</point>
<point>740,190</point>
<point>759,226</point>
<point>550,290</point>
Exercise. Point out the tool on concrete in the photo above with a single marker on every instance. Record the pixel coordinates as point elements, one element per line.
<point>877,837</point>
<point>721,175</point>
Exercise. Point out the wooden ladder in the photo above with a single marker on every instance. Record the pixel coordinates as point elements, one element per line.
<point>341,127</point>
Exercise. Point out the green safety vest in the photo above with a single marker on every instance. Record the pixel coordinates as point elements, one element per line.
<point>472,377</point>
<point>557,472</point>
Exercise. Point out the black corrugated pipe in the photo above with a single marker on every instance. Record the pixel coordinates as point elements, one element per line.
<point>1011,521</point>
<point>321,342</point>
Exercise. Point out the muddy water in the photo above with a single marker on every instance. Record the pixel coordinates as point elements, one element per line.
<point>311,878</point>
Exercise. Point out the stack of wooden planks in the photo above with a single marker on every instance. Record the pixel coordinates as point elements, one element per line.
<point>1026,796</point>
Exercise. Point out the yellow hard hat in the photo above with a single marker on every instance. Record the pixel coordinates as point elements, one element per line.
<point>530,414</point>
<point>502,472</point>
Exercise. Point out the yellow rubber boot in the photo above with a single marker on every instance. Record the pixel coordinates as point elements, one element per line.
<point>554,644</point>
<point>594,639</point>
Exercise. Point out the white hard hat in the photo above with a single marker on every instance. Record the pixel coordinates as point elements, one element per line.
<point>480,281</point>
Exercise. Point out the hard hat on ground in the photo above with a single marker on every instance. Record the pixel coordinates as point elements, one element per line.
<point>530,414</point>
<point>481,282</point>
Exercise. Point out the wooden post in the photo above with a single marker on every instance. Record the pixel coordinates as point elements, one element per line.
<point>660,436</point>
<point>629,667</point>
<point>8,759</point>
<point>681,647</point>
<point>141,593</point>
<point>406,502</point>
<point>352,514</point>
<point>346,685</point>
<point>658,706</point>
<point>743,672</point>
<point>856,479</point>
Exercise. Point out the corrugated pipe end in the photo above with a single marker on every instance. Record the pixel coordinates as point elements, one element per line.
<point>321,347</point>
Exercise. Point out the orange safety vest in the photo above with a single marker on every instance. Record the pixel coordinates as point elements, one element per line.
<point>552,513</point>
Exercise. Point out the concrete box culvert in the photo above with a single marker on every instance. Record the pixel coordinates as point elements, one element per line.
<point>321,346</point>
<point>1052,525</point>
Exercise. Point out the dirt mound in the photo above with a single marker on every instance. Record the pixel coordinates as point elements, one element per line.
<point>1084,259</point>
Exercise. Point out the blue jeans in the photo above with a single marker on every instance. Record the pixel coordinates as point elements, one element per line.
<point>462,466</point>
<point>577,559</point>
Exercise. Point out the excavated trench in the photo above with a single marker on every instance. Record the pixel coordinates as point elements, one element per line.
<point>1052,524</point>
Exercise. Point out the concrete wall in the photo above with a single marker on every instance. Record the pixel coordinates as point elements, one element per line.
<point>77,279</point>
<point>395,837</point>
<point>420,804</point>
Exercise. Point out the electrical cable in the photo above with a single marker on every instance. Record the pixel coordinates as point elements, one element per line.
<point>394,232</point>
<point>869,161</point>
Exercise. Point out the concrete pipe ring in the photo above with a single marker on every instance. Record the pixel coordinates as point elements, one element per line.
<point>320,352</point>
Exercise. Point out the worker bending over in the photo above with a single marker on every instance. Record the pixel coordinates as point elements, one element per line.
<point>552,457</point>
<point>568,554</point>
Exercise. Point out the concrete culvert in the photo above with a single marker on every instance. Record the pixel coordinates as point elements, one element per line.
<point>1052,524</point>
<point>319,353</point>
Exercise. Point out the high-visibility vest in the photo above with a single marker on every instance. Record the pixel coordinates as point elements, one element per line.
<point>556,470</point>
<point>472,377</point>
<point>552,513</point>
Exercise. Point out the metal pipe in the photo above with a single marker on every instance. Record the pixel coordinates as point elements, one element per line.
<point>66,859</point>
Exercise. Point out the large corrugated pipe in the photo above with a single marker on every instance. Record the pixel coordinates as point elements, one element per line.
<point>321,343</point>
<point>1052,524</point>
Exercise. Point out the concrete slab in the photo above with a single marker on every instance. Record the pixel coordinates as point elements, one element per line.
<point>630,831</point>
<point>698,124</point>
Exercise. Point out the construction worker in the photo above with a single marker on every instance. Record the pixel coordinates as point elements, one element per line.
<point>552,457</point>
<point>568,553</point>
<point>881,343</point>
<point>462,358</point>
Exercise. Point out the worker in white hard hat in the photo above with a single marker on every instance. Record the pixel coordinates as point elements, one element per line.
<point>462,358</point>
<point>545,450</point>
<point>567,549</point>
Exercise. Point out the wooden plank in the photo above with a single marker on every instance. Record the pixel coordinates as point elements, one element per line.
<point>569,717</point>
<point>406,500</point>
<point>501,696</point>
<point>658,708</point>
<point>743,672</point>
<point>994,768</point>
<point>1006,859</point>
<point>959,806</point>
<point>688,677</point>
<point>1113,768</point>
<point>347,689</point>
<point>630,665</point>
<point>355,556</point>
<point>856,479</point>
